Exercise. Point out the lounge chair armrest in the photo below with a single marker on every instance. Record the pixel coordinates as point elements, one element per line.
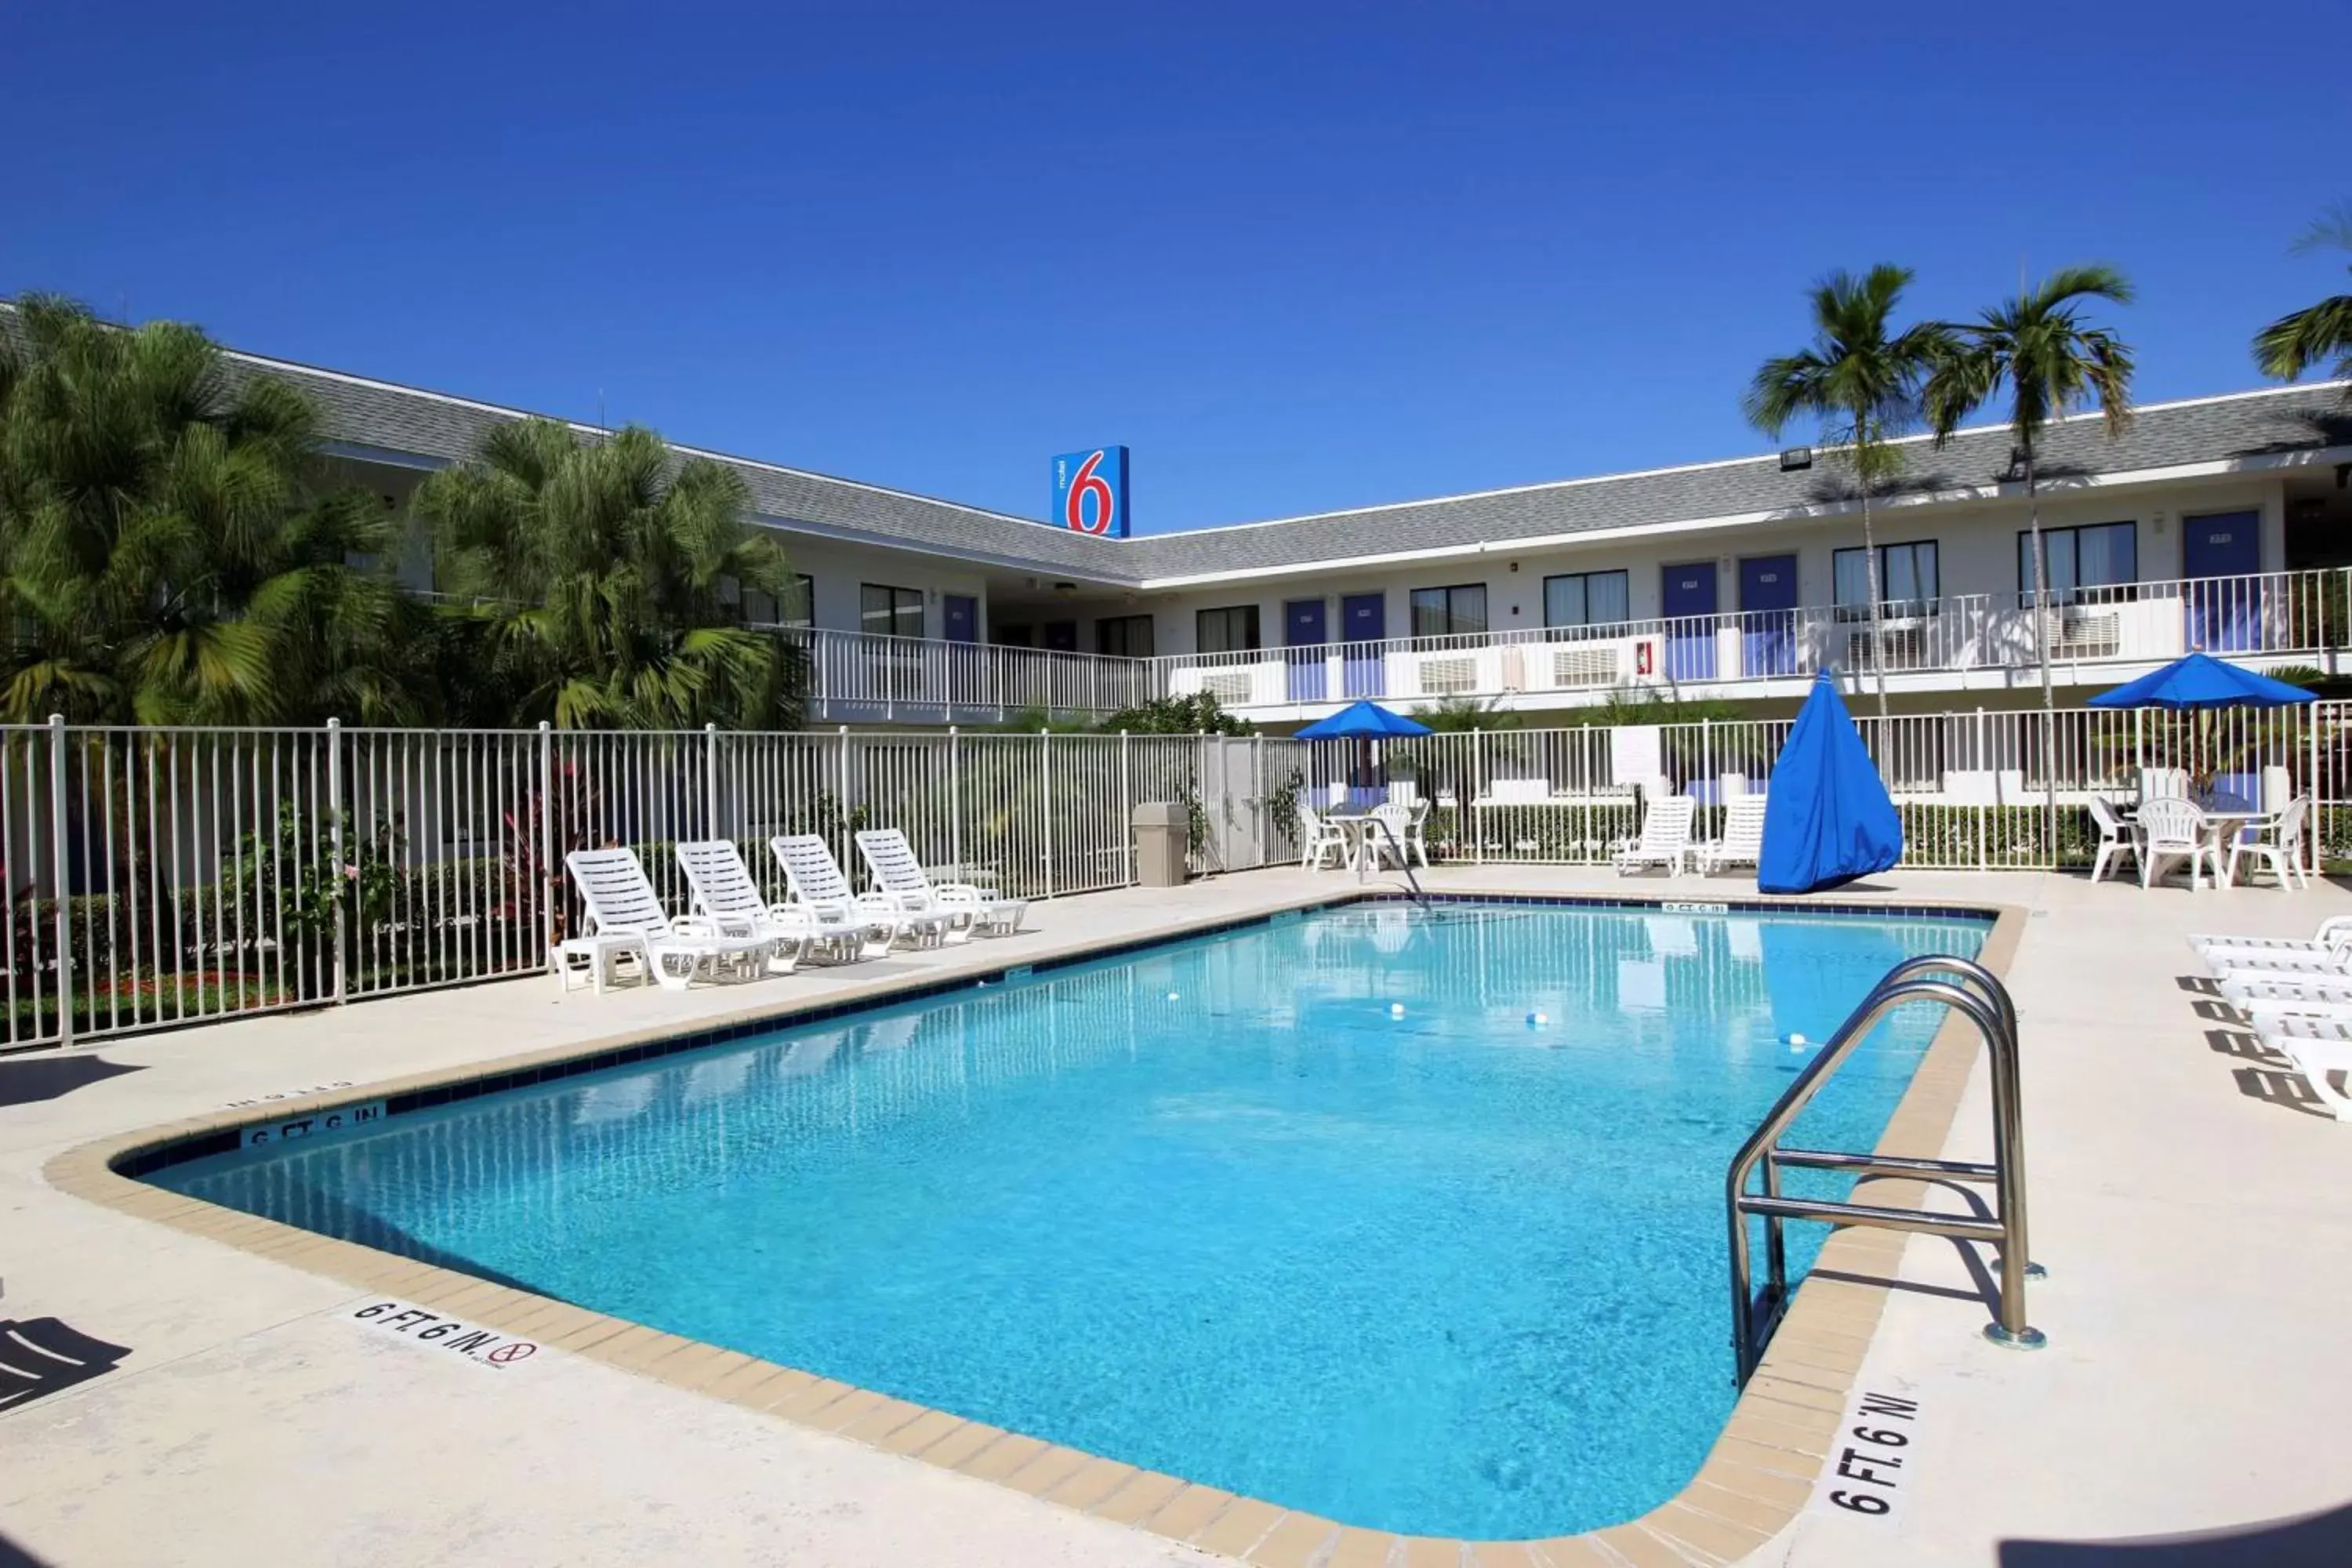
<point>694,926</point>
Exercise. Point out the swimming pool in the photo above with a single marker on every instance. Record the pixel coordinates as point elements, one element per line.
<point>1414,1223</point>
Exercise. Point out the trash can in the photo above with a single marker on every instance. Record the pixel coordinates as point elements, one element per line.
<point>1160,834</point>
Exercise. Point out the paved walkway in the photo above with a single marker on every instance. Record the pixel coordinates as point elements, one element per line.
<point>2197,1219</point>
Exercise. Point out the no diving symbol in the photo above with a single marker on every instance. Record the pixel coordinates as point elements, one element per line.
<point>513,1350</point>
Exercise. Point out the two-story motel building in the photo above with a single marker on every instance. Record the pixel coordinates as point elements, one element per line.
<point>2218,522</point>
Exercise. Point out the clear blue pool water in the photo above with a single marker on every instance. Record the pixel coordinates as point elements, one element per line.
<point>1310,1211</point>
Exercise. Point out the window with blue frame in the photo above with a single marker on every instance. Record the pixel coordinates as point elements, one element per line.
<point>1575,599</point>
<point>2091,563</point>
<point>1908,582</point>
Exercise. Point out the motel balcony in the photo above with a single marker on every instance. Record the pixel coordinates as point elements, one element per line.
<point>857,678</point>
<point>1969,643</point>
<point>1966,643</point>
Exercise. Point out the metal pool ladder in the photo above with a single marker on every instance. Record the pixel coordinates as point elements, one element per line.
<point>1970,991</point>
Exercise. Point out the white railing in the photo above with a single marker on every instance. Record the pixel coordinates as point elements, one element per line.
<point>2276,615</point>
<point>1977,790</point>
<point>214,873</point>
<point>854,678</point>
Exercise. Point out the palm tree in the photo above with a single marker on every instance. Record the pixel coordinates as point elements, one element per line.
<point>607,579</point>
<point>2294,344</point>
<point>1863,387</point>
<point>2037,344</point>
<point>162,558</point>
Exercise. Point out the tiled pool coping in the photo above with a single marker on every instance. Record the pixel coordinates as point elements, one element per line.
<point>1759,1474</point>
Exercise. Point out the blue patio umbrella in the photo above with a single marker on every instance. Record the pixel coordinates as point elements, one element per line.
<point>1364,722</point>
<point>2202,681</point>
<point>1828,818</point>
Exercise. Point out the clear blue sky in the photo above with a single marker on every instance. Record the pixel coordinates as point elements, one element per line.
<point>1297,256</point>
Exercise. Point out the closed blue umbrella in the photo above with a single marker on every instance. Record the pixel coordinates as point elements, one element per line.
<point>2202,682</point>
<point>1828,818</point>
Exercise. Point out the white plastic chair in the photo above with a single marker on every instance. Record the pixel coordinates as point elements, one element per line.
<point>2118,839</point>
<point>968,908</point>
<point>2163,784</point>
<point>2173,829</point>
<point>1742,843</point>
<point>1665,838</point>
<point>1392,833</point>
<point>2277,842</point>
<point>851,924</point>
<point>625,916</point>
<point>1319,837</point>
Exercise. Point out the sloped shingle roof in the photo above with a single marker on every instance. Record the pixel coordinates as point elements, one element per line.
<point>358,413</point>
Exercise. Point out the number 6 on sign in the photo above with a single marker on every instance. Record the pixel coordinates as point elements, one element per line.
<point>1090,491</point>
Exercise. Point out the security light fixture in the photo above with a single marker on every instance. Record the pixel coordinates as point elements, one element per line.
<point>1793,459</point>
<point>1065,589</point>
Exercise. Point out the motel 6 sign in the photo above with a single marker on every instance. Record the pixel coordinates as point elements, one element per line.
<point>1090,491</point>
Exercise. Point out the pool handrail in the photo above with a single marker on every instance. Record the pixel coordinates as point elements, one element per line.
<point>1972,992</point>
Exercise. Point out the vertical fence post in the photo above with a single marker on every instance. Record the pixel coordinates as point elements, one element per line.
<point>710,782</point>
<point>547,883</point>
<point>60,864</point>
<point>2318,817</point>
<point>1476,783</point>
<point>1127,806</point>
<point>1982,762</point>
<point>1046,768</point>
<point>955,806</point>
<point>1260,831</point>
<point>845,845</point>
<point>344,885</point>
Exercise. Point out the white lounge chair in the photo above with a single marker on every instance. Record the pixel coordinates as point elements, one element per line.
<point>725,894</point>
<point>847,923</point>
<point>1665,841</point>
<point>2274,965</point>
<point>969,908</point>
<point>1742,843</point>
<point>2317,1049</point>
<point>2259,995</point>
<point>2118,839</point>
<point>2172,829</point>
<point>624,917</point>
<point>2334,934</point>
<point>1319,837</point>
<point>2278,844</point>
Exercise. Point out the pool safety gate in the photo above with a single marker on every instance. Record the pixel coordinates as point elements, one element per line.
<point>1962,987</point>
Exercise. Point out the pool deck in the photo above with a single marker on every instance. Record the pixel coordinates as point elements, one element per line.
<point>2195,1213</point>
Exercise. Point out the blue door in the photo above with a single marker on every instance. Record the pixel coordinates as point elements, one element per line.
<point>1363,622</point>
<point>2224,616</point>
<point>960,612</point>
<point>1690,623</point>
<point>1768,615</point>
<point>1302,632</point>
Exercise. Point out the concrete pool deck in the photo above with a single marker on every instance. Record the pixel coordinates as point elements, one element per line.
<point>2194,1214</point>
